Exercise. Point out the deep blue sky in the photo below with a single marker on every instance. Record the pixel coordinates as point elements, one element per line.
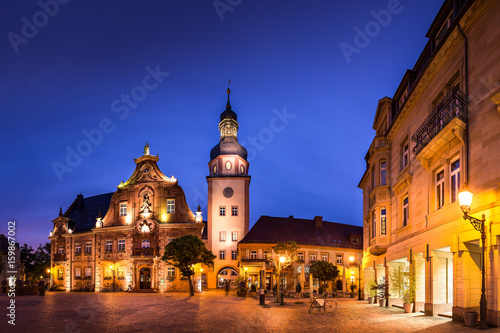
<point>281,56</point>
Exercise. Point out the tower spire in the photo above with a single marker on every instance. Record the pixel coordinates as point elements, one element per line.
<point>228,105</point>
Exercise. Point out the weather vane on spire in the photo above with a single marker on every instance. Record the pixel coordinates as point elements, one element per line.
<point>228,90</point>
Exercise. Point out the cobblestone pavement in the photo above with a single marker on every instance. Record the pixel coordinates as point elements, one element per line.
<point>211,311</point>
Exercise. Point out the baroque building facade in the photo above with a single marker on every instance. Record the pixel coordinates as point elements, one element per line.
<point>115,241</point>
<point>438,135</point>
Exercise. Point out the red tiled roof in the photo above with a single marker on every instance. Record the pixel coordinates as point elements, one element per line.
<point>270,229</point>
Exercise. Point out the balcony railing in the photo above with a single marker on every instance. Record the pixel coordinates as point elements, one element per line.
<point>149,251</point>
<point>59,257</point>
<point>452,106</point>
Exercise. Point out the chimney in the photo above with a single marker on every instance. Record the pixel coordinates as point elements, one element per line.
<point>290,216</point>
<point>79,201</point>
<point>318,220</point>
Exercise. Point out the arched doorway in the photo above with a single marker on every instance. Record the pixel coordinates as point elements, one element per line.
<point>226,274</point>
<point>145,278</point>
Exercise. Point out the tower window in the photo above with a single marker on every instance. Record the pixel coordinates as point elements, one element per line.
<point>234,255</point>
<point>222,254</point>
<point>215,169</point>
<point>242,169</point>
<point>222,236</point>
<point>234,236</point>
<point>222,210</point>
<point>234,211</point>
<point>228,165</point>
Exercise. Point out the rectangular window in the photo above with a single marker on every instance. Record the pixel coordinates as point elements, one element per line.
<point>60,274</point>
<point>234,255</point>
<point>455,180</point>
<point>78,248</point>
<point>324,257</point>
<point>121,245</point>
<point>234,236</point>
<point>88,248</point>
<point>109,246</point>
<point>253,254</point>
<point>300,256</point>
<point>61,250</point>
<point>222,254</point>
<point>439,189</point>
<point>170,206</point>
<point>222,210</point>
<point>171,271</point>
<point>405,154</point>
<point>339,259</point>
<point>88,272</point>
<point>123,209</point>
<point>78,272</point>
<point>222,236</point>
<point>120,272</point>
<point>383,221</point>
<point>406,212</point>
<point>382,173</point>
<point>312,256</point>
<point>107,272</point>
<point>374,225</point>
<point>234,211</point>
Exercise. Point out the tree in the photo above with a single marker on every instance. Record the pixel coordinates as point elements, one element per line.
<point>282,255</point>
<point>185,252</point>
<point>324,271</point>
<point>35,263</point>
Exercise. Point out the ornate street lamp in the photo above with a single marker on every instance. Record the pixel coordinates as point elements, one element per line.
<point>353,263</point>
<point>113,271</point>
<point>465,199</point>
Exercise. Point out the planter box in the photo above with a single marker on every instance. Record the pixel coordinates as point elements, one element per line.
<point>408,307</point>
<point>470,318</point>
<point>381,302</point>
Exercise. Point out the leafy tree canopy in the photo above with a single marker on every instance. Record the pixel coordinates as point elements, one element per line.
<point>186,251</point>
<point>324,271</point>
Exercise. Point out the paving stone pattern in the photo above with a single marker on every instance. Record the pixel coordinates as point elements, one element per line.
<point>211,311</point>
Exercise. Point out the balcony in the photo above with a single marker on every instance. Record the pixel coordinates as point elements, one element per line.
<point>59,257</point>
<point>148,251</point>
<point>450,111</point>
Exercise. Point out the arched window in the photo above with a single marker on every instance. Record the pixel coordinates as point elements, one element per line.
<point>145,244</point>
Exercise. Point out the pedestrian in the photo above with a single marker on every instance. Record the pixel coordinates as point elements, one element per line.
<point>227,286</point>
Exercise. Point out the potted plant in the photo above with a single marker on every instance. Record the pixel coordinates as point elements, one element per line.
<point>353,290</point>
<point>381,293</point>
<point>408,300</point>
<point>253,290</point>
<point>298,290</point>
<point>373,292</point>
<point>41,288</point>
<point>4,286</point>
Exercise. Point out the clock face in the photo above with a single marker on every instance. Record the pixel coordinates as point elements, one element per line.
<point>228,192</point>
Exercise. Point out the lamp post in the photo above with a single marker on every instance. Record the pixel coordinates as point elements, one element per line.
<point>201,279</point>
<point>246,281</point>
<point>113,271</point>
<point>465,199</point>
<point>282,261</point>
<point>353,263</point>
<point>50,277</point>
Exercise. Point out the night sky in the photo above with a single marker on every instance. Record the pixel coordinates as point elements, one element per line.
<point>305,85</point>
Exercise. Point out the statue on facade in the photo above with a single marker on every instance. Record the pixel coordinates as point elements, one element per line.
<point>146,149</point>
<point>146,204</point>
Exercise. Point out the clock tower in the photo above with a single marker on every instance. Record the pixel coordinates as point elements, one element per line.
<point>228,199</point>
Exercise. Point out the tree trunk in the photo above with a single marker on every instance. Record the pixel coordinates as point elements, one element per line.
<point>191,288</point>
